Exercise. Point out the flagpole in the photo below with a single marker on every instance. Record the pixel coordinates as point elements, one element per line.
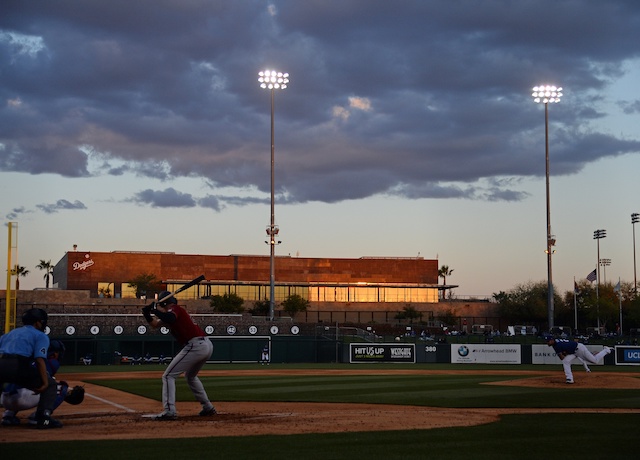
<point>575,305</point>
<point>620,300</point>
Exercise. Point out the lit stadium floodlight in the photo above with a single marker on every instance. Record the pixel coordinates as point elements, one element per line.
<point>546,94</point>
<point>272,80</point>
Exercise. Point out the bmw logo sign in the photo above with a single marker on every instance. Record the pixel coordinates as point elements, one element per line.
<point>463,350</point>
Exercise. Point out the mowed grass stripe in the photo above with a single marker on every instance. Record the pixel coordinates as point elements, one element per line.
<point>457,391</point>
<point>522,437</point>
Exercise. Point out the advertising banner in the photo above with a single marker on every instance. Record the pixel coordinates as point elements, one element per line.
<point>544,354</point>
<point>382,353</point>
<point>486,354</point>
<point>627,355</point>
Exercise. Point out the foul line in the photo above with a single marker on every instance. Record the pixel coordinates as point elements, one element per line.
<point>106,401</point>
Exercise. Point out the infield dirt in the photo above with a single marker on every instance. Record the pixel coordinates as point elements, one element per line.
<point>111,414</point>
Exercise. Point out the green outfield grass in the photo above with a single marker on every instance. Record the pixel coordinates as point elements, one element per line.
<point>567,435</point>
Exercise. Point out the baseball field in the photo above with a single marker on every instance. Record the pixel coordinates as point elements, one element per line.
<point>336,411</point>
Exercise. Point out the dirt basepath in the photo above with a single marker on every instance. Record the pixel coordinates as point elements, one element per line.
<point>111,414</point>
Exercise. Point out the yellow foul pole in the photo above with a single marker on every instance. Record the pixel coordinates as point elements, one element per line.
<point>10,301</point>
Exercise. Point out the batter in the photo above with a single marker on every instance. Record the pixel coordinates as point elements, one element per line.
<point>196,350</point>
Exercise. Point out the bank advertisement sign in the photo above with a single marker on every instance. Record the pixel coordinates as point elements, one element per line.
<point>486,354</point>
<point>544,354</point>
<point>382,353</point>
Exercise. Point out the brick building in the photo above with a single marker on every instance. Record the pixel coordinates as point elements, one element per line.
<point>366,279</point>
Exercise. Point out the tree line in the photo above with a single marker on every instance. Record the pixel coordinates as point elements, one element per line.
<point>594,304</point>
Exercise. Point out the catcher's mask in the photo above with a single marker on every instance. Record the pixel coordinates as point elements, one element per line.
<point>55,346</point>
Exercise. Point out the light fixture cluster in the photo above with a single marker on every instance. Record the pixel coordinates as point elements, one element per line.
<point>546,94</point>
<point>270,79</point>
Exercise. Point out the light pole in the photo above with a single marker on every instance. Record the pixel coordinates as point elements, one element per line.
<point>605,263</point>
<point>272,80</point>
<point>635,218</point>
<point>546,94</point>
<point>598,235</point>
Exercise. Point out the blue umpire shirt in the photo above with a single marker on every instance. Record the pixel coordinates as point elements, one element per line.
<point>25,341</point>
<point>565,346</point>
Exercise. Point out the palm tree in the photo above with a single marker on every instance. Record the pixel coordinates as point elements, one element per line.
<point>443,273</point>
<point>19,271</point>
<point>48,268</point>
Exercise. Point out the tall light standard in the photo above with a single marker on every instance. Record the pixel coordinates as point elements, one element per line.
<point>546,94</point>
<point>272,80</point>
<point>598,235</point>
<point>605,263</point>
<point>635,218</point>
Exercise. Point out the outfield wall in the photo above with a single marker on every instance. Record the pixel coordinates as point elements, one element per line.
<point>316,349</point>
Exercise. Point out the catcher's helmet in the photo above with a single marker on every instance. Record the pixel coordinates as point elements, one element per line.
<point>171,299</point>
<point>55,346</point>
<point>33,315</point>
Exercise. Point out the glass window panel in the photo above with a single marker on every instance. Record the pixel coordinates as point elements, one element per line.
<point>127,292</point>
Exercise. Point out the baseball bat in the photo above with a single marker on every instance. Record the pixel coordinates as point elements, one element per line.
<point>193,282</point>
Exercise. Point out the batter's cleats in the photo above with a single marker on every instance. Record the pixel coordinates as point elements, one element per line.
<point>10,420</point>
<point>208,412</point>
<point>166,416</point>
<point>47,422</point>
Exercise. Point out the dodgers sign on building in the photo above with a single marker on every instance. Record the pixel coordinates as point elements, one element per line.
<point>382,353</point>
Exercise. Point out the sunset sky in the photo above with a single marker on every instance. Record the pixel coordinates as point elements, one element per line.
<point>407,129</point>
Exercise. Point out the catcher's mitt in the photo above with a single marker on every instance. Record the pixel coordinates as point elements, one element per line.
<point>75,395</point>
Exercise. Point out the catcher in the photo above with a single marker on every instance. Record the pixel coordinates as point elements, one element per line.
<point>15,398</point>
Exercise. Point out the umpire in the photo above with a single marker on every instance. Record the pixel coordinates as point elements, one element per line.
<point>23,354</point>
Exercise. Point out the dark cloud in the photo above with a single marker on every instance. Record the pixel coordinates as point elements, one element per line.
<point>167,198</point>
<point>61,205</point>
<point>630,107</point>
<point>427,100</point>
<point>16,213</point>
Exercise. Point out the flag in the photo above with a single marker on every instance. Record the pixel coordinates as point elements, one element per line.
<point>576,289</point>
<point>617,288</point>
<point>592,276</point>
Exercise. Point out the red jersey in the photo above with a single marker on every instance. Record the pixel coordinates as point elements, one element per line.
<point>183,329</point>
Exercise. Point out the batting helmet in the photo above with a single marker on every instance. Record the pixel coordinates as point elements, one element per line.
<point>171,299</point>
<point>33,315</point>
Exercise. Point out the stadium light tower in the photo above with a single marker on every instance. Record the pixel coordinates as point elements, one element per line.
<point>546,94</point>
<point>604,263</point>
<point>272,80</point>
<point>598,235</point>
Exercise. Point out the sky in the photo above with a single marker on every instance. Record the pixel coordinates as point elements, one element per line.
<point>408,129</point>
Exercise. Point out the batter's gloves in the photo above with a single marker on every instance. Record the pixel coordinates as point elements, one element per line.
<point>75,395</point>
